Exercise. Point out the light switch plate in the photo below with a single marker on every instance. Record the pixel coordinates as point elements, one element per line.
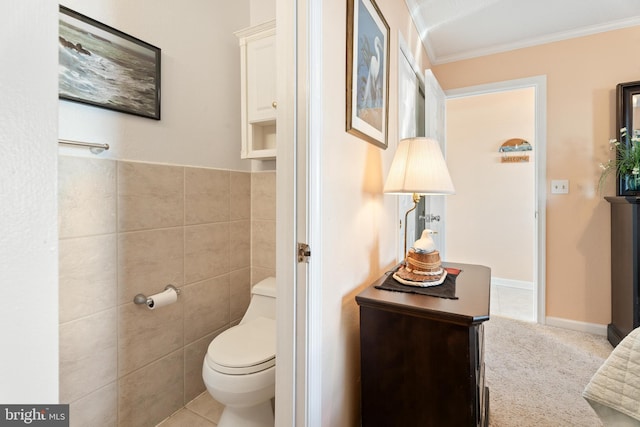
<point>560,186</point>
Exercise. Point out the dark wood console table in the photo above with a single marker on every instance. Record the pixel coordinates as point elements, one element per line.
<point>422,357</point>
<point>625,272</point>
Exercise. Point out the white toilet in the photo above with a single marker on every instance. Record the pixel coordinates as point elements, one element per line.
<point>239,368</point>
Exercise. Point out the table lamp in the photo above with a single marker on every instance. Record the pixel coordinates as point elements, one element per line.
<point>418,168</point>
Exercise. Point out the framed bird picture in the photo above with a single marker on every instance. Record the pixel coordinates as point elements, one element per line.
<point>367,95</point>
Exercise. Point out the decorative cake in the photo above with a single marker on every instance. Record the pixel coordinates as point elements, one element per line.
<point>422,266</point>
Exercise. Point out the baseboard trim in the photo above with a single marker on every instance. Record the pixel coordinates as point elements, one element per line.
<point>509,283</point>
<point>574,325</point>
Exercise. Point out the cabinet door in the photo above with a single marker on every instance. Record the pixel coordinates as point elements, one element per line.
<point>261,80</point>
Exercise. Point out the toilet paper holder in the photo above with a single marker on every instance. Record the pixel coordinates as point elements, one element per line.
<point>142,299</point>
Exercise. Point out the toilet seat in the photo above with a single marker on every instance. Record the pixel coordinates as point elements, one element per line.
<point>244,349</point>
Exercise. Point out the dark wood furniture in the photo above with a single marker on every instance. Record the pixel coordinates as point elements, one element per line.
<point>422,357</point>
<point>625,273</point>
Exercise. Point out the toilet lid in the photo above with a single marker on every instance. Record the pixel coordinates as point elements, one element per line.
<point>245,348</point>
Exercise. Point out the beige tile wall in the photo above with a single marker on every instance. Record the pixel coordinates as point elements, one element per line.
<point>129,228</point>
<point>263,225</point>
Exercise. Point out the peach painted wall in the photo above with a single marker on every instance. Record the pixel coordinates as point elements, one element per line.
<point>490,219</point>
<point>581,77</point>
<point>358,221</point>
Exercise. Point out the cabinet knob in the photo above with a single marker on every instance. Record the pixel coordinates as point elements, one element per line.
<point>274,104</point>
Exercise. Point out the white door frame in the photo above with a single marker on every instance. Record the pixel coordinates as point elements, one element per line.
<point>436,127</point>
<point>539,83</point>
<point>298,190</point>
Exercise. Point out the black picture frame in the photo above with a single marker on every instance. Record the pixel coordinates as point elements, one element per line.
<point>368,53</point>
<point>106,68</point>
<point>625,112</point>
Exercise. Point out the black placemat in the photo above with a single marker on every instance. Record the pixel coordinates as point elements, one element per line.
<point>446,290</point>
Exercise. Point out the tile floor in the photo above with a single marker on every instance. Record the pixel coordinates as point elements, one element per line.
<point>203,411</point>
<point>514,303</point>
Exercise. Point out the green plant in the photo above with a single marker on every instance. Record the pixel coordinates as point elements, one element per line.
<point>627,158</point>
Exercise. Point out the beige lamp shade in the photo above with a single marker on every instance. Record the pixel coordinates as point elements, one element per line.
<point>419,167</point>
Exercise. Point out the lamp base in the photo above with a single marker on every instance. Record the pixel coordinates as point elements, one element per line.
<point>409,278</point>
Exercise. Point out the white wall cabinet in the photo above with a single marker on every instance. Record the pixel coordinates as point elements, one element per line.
<point>258,90</point>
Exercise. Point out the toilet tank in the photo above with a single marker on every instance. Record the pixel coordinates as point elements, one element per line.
<point>266,287</point>
<point>263,300</point>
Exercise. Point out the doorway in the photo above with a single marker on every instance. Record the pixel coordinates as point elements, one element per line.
<point>421,112</point>
<point>497,215</point>
<point>411,119</point>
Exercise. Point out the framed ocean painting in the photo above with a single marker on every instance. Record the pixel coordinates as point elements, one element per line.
<point>367,97</point>
<point>104,67</point>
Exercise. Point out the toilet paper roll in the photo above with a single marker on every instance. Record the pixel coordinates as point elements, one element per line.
<point>166,297</point>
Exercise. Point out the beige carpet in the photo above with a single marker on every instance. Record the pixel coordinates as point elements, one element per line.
<point>536,374</point>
